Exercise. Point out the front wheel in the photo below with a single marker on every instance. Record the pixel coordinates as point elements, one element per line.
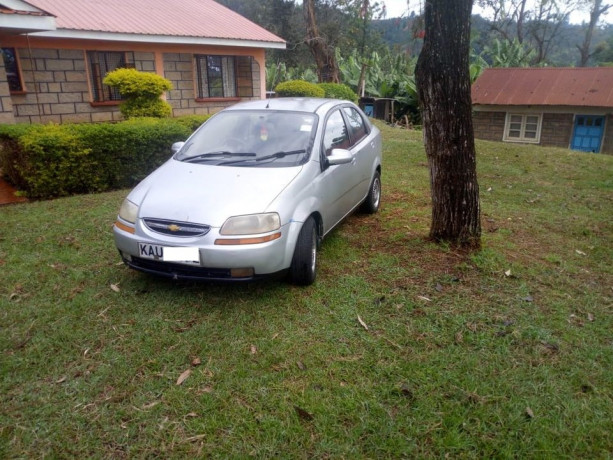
<point>304,262</point>
<point>373,200</point>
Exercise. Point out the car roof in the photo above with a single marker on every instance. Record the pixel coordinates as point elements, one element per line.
<point>290,104</point>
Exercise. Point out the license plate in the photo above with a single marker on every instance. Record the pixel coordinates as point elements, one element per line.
<point>182,255</point>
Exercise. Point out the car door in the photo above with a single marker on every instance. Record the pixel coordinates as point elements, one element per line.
<point>336,182</point>
<point>363,150</point>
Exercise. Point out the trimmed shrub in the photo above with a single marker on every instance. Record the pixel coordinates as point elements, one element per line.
<point>298,88</point>
<point>47,161</point>
<point>141,92</point>
<point>338,91</point>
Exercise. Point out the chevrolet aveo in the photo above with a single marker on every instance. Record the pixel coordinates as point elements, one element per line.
<point>253,192</point>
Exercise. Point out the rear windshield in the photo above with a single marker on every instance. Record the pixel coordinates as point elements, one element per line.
<point>252,139</point>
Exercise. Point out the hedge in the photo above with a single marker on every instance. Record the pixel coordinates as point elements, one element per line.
<point>46,161</point>
<point>338,91</point>
<point>298,88</point>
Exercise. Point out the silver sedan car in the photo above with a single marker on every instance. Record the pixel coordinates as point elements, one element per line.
<point>253,192</point>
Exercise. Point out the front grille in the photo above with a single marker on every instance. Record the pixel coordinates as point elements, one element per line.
<point>179,270</point>
<point>173,228</point>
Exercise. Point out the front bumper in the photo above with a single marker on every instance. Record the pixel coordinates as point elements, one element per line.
<point>217,262</point>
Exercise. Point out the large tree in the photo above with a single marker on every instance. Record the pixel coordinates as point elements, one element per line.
<point>443,81</point>
<point>597,9</point>
<point>322,51</point>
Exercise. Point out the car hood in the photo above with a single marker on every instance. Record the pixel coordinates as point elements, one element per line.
<point>207,194</point>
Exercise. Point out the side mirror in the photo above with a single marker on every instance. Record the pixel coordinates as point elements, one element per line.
<point>176,147</point>
<point>340,157</point>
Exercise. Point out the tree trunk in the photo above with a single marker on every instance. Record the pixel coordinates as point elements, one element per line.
<point>595,13</point>
<point>443,81</point>
<point>325,60</point>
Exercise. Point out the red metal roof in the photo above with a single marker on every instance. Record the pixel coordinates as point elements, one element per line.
<point>582,86</point>
<point>178,18</point>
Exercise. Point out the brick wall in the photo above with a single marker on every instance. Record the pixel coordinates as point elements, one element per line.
<point>557,129</point>
<point>489,126</point>
<point>57,89</point>
<point>179,69</point>
<point>6,104</point>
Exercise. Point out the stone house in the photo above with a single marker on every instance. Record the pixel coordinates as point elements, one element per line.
<point>562,107</point>
<point>55,54</point>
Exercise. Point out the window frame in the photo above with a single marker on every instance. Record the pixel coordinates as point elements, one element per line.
<point>354,139</point>
<point>17,71</point>
<point>201,63</point>
<point>522,129</point>
<point>95,78</point>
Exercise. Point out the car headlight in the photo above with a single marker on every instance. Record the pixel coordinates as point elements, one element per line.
<point>128,211</point>
<point>251,224</point>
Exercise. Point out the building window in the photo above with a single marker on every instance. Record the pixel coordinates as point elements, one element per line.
<point>216,76</point>
<point>523,128</point>
<point>11,65</point>
<point>101,63</point>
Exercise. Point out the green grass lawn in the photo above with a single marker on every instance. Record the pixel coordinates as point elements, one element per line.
<point>503,353</point>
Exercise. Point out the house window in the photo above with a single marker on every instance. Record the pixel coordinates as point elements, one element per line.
<point>101,63</point>
<point>523,128</point>
<point>216,76</point>
<point>11,65</point>
<point>229,77</point>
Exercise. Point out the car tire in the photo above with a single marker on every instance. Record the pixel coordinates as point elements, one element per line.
<point>304,262</point>
<point>373,199</point>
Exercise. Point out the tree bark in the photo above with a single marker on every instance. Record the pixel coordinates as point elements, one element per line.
<point>325,60</point>
<point>443,81</point>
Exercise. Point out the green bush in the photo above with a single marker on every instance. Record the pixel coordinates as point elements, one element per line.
<point>141,92</point>
<point>299,88</point>
<point>338,91</point>
<point>48,161</point>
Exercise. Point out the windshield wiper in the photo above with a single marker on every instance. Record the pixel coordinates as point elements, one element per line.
<point>273,156</point>
<point>220,153</point>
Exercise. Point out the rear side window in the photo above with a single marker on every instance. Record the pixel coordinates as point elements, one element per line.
<point>335,134</point>
<point>357,126</point>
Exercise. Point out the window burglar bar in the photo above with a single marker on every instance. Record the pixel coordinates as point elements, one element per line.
<point>216,76</point>
<point>101,63</point>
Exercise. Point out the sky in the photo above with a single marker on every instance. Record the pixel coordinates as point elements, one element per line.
<point>397,8</point>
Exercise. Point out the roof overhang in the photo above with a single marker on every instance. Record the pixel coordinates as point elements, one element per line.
<point>20,17</point>
<point>167,39</point>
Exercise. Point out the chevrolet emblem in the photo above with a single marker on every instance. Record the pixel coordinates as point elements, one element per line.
<point>173,228</point>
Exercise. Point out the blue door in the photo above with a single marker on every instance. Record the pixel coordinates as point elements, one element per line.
<point>588,133</point>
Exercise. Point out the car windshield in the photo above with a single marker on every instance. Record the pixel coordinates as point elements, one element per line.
<point>264,138</point>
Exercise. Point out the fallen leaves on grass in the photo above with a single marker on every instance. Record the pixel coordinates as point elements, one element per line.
<point>529,413</point>
<point>183,377</point>
<point>115,287</point>
<point>362,323</point>
<point>254,350</point>
<point>196,362</point>
<point>424,298</point>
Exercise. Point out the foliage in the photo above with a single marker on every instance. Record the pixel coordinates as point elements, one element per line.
<point>459,358</point>
<point>299,88</point>
<point>57,160</point>
<point>141,92</point>
<point>505,53</point>
<point>277,73</point>
<point>338,91</point>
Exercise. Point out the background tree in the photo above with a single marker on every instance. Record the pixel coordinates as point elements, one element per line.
<point>323,53</point>
<point>598,8</point>
<point>443,82</point>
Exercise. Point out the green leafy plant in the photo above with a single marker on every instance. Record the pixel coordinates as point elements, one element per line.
<point>339,91</point>
<point>299,88</point>
<point>141,92</point>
